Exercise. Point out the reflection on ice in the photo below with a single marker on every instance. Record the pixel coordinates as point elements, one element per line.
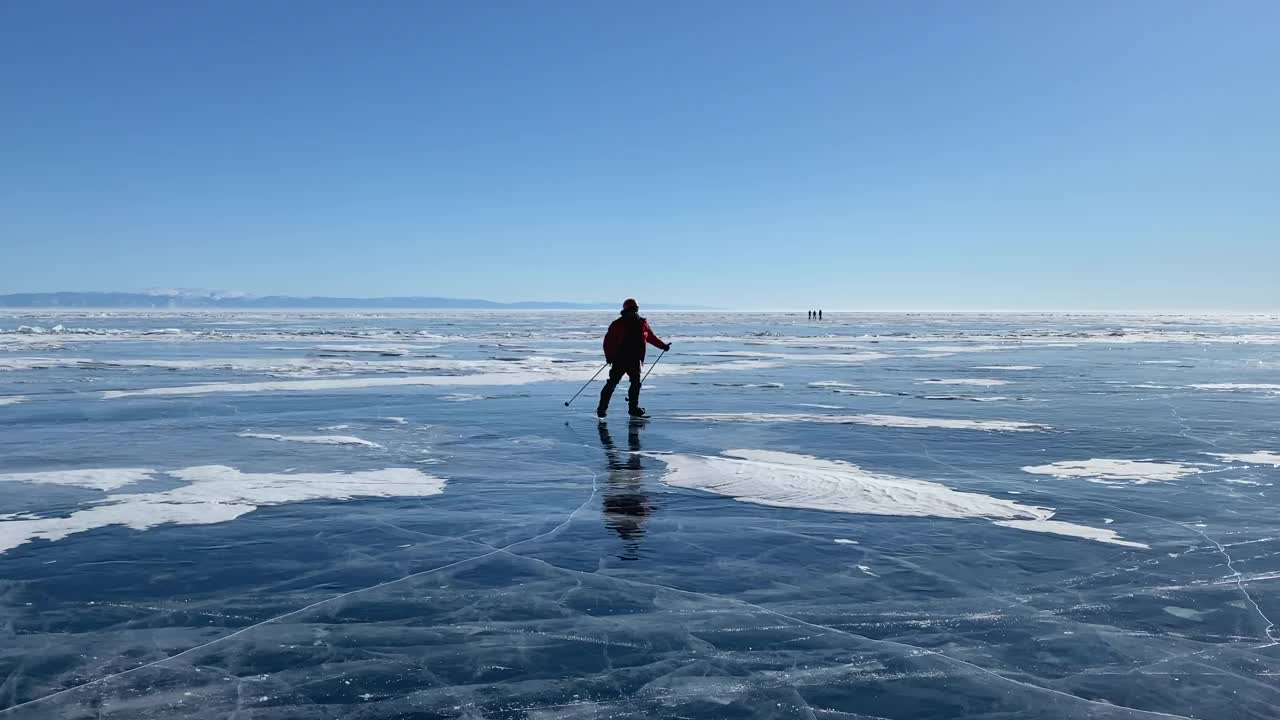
<point>625,504</point>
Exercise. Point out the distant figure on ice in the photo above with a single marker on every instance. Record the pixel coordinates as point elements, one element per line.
<point>819,314</point>
<point>624,347</point>
<point>810,314</point>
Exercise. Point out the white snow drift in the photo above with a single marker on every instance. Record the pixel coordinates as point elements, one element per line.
<point>1109,471</point>
<point>214,494</point>
<point>311,439</point>
<point>781,479</point>
<point>92,479</point>
<point>1261,457</point>
<point>491,373</point>
<point>899,421</point>
<point>1269,387</point>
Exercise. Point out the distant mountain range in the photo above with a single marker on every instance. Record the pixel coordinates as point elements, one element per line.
<point>214,299</point>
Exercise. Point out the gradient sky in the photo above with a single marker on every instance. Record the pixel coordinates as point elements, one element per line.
<point>853,154</point>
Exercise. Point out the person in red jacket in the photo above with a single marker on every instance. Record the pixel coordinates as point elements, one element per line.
<point>624,347</point>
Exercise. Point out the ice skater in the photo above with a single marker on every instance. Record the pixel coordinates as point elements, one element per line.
<point>624,347</point>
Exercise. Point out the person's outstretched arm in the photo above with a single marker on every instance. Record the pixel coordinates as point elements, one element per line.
<point>654,340</point>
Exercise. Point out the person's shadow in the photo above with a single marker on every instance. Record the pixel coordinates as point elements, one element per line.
<point>625,504</point>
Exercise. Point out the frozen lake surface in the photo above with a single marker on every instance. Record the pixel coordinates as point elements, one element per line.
<point>392,515</point>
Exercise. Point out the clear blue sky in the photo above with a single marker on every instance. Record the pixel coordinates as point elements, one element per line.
<point>852,154</point>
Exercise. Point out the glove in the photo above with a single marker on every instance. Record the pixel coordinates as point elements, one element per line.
<point>668,347</point>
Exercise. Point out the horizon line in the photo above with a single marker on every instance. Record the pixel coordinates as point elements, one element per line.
<point>665,308</point>
<point>583,306</point>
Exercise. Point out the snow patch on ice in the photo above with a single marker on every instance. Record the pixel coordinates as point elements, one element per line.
<point>963,348</point>
<point>278,367</point>
<point>1185,613</point>
<point>899,421</point>
<point>389,350</point>
<point>978,382</point>
<point>12,399</point>
<point>1270,387</point>
<point>395,420</point>
<point>1005,367</point>
<point>215,494</point>
<point>1057,527</point>
<point>844,541</point>
<point>314,385</point>
<point>781,479</point>
<point>38,363</point>
<point>798,357</point>
<point>311,439</point>
<point>93,479</point>
<point>1109,471</point>
<point>498,374</point>
<point>1262,457</point>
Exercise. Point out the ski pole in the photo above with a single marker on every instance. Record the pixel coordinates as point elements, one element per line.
<point>655,362</point>
<point>584,387</point>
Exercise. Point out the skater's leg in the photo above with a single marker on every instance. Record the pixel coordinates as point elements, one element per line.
<point>633,392</point>
<point>606,393</point>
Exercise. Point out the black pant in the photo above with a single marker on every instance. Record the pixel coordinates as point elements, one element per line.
<point>630,368</point>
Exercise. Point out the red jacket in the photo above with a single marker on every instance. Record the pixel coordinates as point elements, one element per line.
<point>627,337</point>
